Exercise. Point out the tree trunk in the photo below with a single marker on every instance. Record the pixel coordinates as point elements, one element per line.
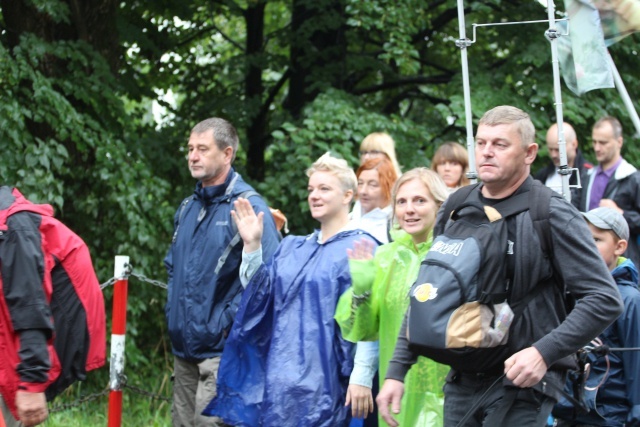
<point>254,90</point>
<point>318,50</point>
<point>92,21</point>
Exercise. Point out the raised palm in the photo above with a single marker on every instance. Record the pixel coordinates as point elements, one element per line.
<point>362,249</point>
<point>250,225</point>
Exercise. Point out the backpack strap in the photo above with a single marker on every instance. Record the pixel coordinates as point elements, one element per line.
<point>506,208</point>
<point>454,200</point>
<point>236,237</point>
<point>244,195</point>
<point>540,207</point>
<point>538,202</point>
<point>539,212</point>
<point>183,205</point>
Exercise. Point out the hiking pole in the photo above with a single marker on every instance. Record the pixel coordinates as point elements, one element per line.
<point>552,35</point>
<point>603,349</point>
<point>463,43</point>
<point>480,401</point>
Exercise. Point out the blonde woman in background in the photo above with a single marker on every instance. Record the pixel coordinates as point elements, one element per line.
<point>379,144</point>
<point>451,162</point>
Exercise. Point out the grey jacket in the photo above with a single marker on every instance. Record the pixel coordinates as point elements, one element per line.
<point>543,324</point>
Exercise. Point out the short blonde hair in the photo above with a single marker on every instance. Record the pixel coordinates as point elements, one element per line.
<point>435,185</point>
<point>452,152</point>
<point>339,168</point>
<point>383,142</point>
<point>506,115</point>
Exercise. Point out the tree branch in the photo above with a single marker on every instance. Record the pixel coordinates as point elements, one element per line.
<point>439,79</point>
<point>273,92</point>
<point>412,93</point>
<point>233,6</point>
<point>204,30</point>
<point>436,24</point>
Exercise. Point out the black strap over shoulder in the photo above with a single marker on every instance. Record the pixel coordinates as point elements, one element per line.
<point>515,204</point>
<point>538,205</point>
<point>539,212</point>
<point>453,201</point>
<point>536,199</point>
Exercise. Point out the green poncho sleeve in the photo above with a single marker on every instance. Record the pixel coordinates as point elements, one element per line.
<point>357,312</point>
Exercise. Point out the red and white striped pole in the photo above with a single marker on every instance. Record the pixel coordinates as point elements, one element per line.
<point>118,329</point>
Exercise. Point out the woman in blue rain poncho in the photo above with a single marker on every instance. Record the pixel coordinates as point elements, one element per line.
<point>285,362</point>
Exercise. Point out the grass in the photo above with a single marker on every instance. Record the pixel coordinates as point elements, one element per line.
<point>137,409</point>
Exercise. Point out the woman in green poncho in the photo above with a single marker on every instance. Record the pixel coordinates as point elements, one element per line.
<point>373,308</point>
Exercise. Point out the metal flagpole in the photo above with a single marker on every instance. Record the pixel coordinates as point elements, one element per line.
<point>633,114</point>
<point>552,35</point>
<point>463,43</point>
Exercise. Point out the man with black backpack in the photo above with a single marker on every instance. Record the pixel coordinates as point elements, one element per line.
<point>502,322</point>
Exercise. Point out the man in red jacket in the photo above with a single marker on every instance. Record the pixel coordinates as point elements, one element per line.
<point>52,318</point>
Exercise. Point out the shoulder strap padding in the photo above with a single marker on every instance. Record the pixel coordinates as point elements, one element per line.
<point>453,201</point>
<point>236,235</point>
<point>539,212</point>
<point>465,197</point>
<point>183,205</point>
<point>538,202</point>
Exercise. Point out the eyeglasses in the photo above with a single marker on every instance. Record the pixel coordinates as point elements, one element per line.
<point>372,152</point>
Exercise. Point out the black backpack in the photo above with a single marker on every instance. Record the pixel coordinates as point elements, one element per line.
<point>459,312</point>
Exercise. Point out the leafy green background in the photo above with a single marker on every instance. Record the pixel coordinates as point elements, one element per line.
<point>79,81</point>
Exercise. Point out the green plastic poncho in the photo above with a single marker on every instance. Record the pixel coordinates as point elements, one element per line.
<point>388,277</point>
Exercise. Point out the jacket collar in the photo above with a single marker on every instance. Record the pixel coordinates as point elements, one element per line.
<point>406,240</point>
<point>625,273</point>
<point>624,170</point>
<point>212,193</point>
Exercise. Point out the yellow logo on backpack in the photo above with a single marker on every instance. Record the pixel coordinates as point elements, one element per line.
<point>425,292</point>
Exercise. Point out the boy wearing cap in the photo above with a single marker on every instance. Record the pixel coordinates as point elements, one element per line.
<point>618,398</point>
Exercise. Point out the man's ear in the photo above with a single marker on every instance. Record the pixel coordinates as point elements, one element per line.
<point>531,153</point>
<point>621,247</point>
<point>228,154</point>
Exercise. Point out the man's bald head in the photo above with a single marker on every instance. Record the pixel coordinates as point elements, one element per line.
<point>553,147</point>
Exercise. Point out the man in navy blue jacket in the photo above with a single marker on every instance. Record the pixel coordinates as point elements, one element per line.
<point>203,263</point>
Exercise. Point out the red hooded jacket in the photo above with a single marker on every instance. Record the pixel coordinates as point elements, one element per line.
<point>47,282</point>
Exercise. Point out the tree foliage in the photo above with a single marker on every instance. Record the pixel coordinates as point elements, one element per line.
<point>79,83</point>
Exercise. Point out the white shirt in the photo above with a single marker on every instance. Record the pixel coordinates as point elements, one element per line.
<point>554,182</point>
